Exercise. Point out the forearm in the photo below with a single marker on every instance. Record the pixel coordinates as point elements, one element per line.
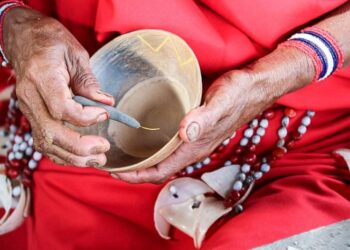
<point>338,25</point>
<point>287,69</point>
<point>50,65</point>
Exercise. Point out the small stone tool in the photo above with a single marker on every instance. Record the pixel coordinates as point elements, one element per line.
<point>114,113</point>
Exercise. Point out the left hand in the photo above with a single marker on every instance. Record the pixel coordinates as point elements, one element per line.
<point>232,100</point>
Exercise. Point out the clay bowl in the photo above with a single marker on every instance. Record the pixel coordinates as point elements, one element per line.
<point>155,77</point>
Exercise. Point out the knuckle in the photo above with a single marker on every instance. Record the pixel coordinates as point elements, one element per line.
<point>159,181</point>
<point>55,112</point>
<point>43,141</point>
<point>76,117</point>
<point>160,178</point>
<point>72,160</point>
<point>72,149</point>
<point>56,160</point>
<point>47,136</point>
<point>83,122</point>
<point>84,80</point>
<point>70,113</point>
<point>41,146</point>
<point>78,149</point>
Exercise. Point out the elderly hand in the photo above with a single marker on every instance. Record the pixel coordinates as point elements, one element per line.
<point>232,100</point>
<point>50,63</point>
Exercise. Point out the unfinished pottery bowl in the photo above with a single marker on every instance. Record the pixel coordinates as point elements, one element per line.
<point>154,77</point>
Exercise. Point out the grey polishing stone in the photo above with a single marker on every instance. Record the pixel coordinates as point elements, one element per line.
<point>114,113</point>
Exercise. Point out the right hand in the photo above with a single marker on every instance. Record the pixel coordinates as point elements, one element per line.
<point>50,64</point>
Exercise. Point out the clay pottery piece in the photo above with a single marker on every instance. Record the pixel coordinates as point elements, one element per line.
<point>154,77</point>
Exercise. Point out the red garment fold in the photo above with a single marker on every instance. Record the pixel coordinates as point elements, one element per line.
<point>78,208</point>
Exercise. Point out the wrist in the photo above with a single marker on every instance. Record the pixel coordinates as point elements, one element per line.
<point>15,24</point>
<point>284,70</point>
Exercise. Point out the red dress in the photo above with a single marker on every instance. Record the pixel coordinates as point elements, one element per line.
<point>77,208</point>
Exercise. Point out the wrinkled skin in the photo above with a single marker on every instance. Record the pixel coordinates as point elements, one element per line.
<point>50,63</point>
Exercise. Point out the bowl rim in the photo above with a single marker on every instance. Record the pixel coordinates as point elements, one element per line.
<point>175,140</point>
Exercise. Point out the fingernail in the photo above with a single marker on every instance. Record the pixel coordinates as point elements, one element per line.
<point>192,131</point>
<point>104,93</point>
<point>92,163</point>
<point>102,117</point>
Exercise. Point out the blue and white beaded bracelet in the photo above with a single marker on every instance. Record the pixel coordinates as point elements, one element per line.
<point>321,47</point>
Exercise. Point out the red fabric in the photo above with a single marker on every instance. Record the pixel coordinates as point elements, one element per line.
<point>86,209</point>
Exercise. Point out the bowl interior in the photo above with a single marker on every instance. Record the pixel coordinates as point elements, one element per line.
<point>154,77</point>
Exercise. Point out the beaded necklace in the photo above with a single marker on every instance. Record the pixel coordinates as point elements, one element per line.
<point>252,167</point>
<point>21,158</point>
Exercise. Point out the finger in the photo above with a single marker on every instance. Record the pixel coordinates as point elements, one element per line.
<point>217,106</point>
<point>61,156</point>
<point>57,160</point>
<point>140,176</point>
<point>58,100</point>
<point>81,161</point>
<point>47,131</point>
<point>198,122</point>
<point>130,177</point>
<point>84,83</point>
<point>182,157</point>
<point>47,140</point>
<point>77,144</point>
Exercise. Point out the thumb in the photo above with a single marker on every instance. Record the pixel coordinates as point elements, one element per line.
<point>84,83</point>
<point>218,105</point>
<point>199,121</point>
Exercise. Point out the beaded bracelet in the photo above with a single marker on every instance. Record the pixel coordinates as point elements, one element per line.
<point>6,6</point>
<point>321,47</point>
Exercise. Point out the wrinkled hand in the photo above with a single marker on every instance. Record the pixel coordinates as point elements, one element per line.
<point>50,64</point>
<point>232,100</point>
<point>227,106</point>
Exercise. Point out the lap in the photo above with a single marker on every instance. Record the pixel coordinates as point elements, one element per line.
<point>86,209</point>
